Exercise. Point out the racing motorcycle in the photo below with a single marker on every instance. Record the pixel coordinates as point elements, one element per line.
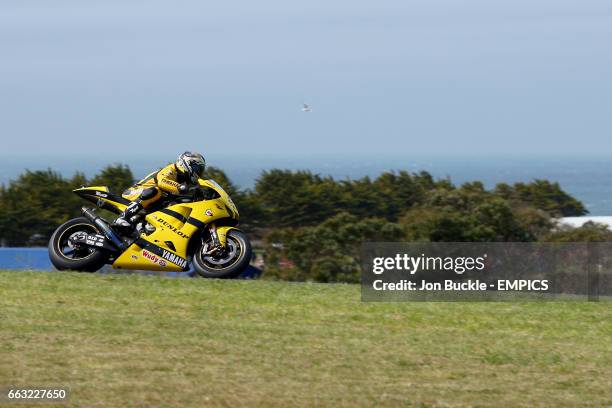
<point>177,233</point>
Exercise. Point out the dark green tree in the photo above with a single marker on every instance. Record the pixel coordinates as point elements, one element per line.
<point>328,252</point>
<point>471,213</point>
<point>297,198</point>
<point>222,179</point>
<point>589,232</point>
<point>116,177</point>
<point>544,195</point>
<point>34,205</point>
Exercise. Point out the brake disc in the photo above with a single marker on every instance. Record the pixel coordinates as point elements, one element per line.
<point>229,254</point>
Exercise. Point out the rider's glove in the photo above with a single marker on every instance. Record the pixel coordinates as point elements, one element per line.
<point>186,189</point>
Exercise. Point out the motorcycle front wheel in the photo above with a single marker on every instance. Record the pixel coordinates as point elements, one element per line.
<point>64,255</point>
<point>227,265</point>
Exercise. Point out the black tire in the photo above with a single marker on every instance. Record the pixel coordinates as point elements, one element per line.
<point>64,257</point>
<point>234,264</point>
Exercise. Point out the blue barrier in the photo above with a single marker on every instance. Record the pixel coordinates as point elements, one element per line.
<point>38,259</point>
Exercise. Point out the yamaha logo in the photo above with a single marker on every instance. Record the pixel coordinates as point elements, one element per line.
<point>175,259</point>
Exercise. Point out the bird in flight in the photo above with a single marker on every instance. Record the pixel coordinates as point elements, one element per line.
<point>306,108</point>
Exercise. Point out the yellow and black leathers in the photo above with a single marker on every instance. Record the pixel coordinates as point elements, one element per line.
<point>149,189</point>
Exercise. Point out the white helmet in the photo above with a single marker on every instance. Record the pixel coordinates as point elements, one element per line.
<point>191,164</point>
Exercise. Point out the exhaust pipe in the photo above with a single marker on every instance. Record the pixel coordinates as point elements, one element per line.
<point>104,227</point>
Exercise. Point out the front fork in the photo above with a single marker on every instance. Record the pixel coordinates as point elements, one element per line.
<point>212,228</point>
<point>219,239</point>
<point>217,248</point>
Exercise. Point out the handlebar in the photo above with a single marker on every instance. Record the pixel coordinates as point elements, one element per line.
<point>198,194</point>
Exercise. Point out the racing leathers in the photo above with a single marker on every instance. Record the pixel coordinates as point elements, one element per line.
<point>150,189</point>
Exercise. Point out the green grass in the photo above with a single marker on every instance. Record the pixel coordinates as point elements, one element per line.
<point>131,341</point>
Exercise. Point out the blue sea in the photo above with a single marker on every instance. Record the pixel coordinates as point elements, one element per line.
<point>587,178</point>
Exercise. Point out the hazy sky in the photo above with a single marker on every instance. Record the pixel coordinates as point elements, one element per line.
<point>383,77</point>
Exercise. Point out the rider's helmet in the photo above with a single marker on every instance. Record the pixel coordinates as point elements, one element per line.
<point>192,165</point>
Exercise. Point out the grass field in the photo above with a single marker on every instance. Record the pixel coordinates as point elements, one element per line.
<point>131,341</point>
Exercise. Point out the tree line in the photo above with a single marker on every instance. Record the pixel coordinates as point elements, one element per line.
<point>311,227</point>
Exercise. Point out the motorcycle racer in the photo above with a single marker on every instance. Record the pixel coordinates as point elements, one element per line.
<point>176,178</point>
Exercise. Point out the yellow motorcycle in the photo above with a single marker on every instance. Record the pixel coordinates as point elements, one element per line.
<point>180,232</point>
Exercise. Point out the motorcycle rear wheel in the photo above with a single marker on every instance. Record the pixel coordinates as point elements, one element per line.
<point>65,256</point>
<point>228,266</point>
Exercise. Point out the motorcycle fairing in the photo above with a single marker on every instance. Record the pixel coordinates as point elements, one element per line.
<point>103,198</point>
<point>165,249</point>
<point>222,232</point>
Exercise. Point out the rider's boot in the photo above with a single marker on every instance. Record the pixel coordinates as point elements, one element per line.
<point>125,219</point>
